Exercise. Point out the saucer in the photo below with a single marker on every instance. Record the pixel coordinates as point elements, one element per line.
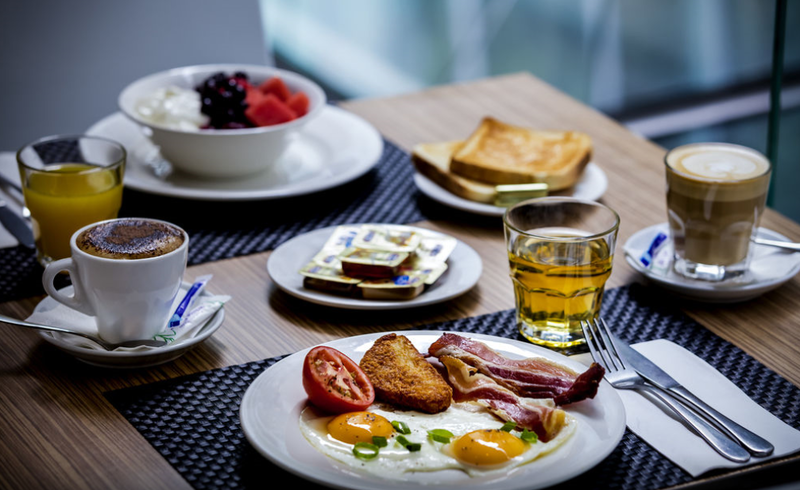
<point>770,267</point>
<point>119,359</point>
<point>334,148</point>
<point>284,263</point>
<point>591,186</point>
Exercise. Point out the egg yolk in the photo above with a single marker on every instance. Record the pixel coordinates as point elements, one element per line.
<point>487,447</point>
<point>356,427</point>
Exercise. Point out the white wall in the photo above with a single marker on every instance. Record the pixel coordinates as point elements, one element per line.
<point>63,63</point>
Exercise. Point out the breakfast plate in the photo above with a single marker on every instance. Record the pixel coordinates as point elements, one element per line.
<point>139,358</point>
<point>464,270</point>
<point>591,186</point>
<point>271,425</point>
<point>334,148</point>
<point>770,267</point>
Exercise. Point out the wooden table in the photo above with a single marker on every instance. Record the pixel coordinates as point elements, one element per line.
<point>58,431</point>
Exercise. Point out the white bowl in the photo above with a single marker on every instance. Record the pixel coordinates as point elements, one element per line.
<point>220,153</point>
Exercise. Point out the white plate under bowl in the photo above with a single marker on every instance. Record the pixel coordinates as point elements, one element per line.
<point>770,267</point>
<point>127,359</point>
<point>334,148</point>
<point>284,263</point>
<point>591,187</point>
<point>270,424</point>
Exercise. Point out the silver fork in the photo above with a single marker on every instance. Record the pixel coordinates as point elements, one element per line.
<point>624,377</point>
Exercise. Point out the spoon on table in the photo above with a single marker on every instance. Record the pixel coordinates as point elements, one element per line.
<point>102,343</point>
<point>778,243</point>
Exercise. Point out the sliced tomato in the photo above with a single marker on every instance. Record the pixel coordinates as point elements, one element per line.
<point>334,382</point>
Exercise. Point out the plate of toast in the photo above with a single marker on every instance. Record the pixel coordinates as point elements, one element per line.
<point>500,164</point>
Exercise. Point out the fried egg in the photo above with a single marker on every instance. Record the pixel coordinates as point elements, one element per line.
<point>478,447</point>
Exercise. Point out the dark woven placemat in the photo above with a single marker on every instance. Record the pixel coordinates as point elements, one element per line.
<point>220,230</point>
<point>193,421</point>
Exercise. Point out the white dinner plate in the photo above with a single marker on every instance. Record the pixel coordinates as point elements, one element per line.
<point>123,358</point>
<point>334,148</point>
<point>271,406</point>
<point>770,267</point>
<point>284,263</point>
<point>591,186</point>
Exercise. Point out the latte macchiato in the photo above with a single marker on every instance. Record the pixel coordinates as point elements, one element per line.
<point>130,239</point>
<point>716,194</point>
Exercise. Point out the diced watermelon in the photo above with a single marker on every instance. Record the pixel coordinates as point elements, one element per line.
<point>298,103</point>
<point>269,110</point>
<point>275,86</point>
<point>253,97</point>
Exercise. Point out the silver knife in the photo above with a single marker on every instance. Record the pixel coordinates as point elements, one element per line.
<point>16,225</point>
<point>755,444</point>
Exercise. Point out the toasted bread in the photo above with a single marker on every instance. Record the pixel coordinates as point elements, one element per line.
<point>433,161</point>
<point>500,153</point>
<point>401,376</point>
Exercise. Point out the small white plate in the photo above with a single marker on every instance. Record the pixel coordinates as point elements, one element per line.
<point>591,186</point>
<point>118,358</point>
<point>334,148</point>
<point>770,267</point>
<point>270,423</point>
<point>463,271</point>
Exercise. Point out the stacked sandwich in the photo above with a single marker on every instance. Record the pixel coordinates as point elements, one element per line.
<point>499,161</point>
<point>379,261</point>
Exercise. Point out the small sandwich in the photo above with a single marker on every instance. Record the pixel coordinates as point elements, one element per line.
<point>499,158</point>
<point>402,377</point>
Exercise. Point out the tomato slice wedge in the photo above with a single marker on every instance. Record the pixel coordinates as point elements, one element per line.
<point>334,382</point>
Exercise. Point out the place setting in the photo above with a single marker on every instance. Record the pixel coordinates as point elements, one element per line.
<point>574,383</point>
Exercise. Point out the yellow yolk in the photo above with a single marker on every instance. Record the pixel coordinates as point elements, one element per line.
<point>356,427</point>
<point>487,447</point>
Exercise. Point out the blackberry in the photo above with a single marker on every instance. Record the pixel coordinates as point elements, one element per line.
<point>223,100</point>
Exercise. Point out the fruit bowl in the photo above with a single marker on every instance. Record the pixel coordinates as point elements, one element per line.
<point>220,153</point>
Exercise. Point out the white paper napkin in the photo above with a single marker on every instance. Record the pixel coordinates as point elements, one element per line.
<point>677,442</point>
<point>58,315</point>
<point>8,167</point>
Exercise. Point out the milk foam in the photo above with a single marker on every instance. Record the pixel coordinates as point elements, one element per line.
<point>718,163</point>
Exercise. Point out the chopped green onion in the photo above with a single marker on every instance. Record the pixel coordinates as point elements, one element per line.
<point>401,427</point>
<point>379,441</point>
<point>440,435</point>
<point>365,451</point>
<point>411,446</point>
<point>508,426</point>
<point>528,436</point>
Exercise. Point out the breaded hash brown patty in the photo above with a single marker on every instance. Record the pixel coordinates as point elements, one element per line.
<point>401,376</point>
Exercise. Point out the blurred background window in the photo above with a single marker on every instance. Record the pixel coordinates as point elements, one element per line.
<point>675,71</point>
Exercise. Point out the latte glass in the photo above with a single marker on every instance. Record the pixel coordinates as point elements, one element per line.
<point>716,194</point>
<point>560,252</point>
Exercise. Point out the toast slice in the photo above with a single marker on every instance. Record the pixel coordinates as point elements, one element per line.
<point>401,376</point>
<point>499,153</point>
<point>433,161</point>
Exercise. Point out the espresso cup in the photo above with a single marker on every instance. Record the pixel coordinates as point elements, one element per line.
<point>716,194</point>
<point>126,273</point>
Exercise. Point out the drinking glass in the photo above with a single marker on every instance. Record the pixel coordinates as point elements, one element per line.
<point>69,182</point>
<point>560,251</point>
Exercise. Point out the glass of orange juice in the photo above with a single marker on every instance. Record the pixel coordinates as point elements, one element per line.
<point>69,182</point>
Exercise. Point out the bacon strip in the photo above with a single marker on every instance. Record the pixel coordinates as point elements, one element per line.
<point>539,416</point>
<point>530,378</point>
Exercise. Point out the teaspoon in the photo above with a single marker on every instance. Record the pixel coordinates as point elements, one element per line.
<point>102,343</point>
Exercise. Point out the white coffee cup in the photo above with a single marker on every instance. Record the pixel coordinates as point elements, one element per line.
<point>129,298</point>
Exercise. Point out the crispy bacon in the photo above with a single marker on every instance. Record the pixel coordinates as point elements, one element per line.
<point>531,377</point>
<point>539,416</point>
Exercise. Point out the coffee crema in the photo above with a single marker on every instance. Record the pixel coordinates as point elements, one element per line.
<point>130,239</point>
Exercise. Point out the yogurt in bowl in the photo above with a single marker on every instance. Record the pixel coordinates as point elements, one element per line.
<point>212,153</point>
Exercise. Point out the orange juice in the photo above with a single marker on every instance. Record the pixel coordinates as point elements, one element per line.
<point>63,198</point>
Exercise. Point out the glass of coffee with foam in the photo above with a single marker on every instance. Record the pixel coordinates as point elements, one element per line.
<point>716,194</point>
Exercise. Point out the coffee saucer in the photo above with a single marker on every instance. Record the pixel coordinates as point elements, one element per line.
<point>63,316</point>
<point>770,267</point>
